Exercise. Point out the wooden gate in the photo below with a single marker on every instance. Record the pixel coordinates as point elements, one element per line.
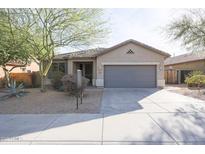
<point>170,77</point>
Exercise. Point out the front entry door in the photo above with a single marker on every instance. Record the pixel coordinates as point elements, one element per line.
<point>87,70</point>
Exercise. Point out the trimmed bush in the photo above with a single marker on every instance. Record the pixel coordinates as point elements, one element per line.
<point>70,80</point>
<point>195,81</point>
<point>195,73</point>
<point>56,80</point>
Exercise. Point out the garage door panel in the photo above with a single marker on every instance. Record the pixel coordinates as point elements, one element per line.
<point>137,76</point>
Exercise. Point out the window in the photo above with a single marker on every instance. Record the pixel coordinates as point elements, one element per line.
<point>81,66</point>
<point>61,67</point>
<point>55,67</point>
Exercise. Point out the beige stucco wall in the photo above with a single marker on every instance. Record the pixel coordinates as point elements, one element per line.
<point>33,67</point>
<point>1,73</point>
<point>196,65</point>
<point>141,56</point>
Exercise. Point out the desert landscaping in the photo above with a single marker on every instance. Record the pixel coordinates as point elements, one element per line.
<point>51,102</point>
<point>187,91</point>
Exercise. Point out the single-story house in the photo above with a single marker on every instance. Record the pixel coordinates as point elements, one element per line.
<point>130,64</point>
<point>178,67</point>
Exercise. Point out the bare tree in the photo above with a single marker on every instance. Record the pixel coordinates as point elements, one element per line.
<point>189,29</point>
<point>55,28</point>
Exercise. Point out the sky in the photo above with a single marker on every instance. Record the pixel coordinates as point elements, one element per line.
<point>143,25</point>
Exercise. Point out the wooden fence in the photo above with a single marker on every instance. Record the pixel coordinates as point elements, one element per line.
<point>26,78</point>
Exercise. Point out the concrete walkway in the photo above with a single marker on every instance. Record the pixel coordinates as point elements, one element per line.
<point>128,116</point>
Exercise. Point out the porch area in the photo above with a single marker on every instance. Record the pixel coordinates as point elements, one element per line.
<point>173,76</point>
<point>86,66</point>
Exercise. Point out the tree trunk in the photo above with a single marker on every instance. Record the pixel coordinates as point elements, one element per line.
<point>44,68</point>
<point>43,88</point>
<point>7,76</point>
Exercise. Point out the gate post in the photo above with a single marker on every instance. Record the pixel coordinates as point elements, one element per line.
<point>79,79</point>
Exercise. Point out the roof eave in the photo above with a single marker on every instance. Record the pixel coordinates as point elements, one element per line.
<point>70,58</point>
<point>184,62</point>
<point>137,43</point>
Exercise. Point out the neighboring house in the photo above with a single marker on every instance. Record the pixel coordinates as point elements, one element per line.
<point>32,67</point>
<point>130,64</point>
<point>178,67</point>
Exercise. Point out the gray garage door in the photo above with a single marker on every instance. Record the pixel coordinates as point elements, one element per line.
<point>136,76</point>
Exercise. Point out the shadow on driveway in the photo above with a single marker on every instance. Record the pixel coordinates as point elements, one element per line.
<point>178,127</point>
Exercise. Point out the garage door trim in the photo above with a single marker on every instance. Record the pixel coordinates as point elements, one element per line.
<point>144,63</point>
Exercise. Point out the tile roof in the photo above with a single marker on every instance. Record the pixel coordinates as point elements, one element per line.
<point>100,51</point>
<point>189,57</point>
<point>139,44</point>
<point>81,54</point>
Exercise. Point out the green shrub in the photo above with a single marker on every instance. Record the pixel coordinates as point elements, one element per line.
<point>36,79</point>
<point>56,80</point>
<point>195,81</point>
<point>195,73</point>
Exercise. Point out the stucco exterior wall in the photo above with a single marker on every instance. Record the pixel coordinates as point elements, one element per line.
<point>141,56</point>
<point>196,65</point>
<point>33,67</point>
<point>1,73</point>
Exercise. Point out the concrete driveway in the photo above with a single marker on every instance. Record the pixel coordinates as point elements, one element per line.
<point>128,116</point>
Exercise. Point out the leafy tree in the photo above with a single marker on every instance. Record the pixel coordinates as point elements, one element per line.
<point>13,46</point>
<point>56,28</point>
<point>189,29</point>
